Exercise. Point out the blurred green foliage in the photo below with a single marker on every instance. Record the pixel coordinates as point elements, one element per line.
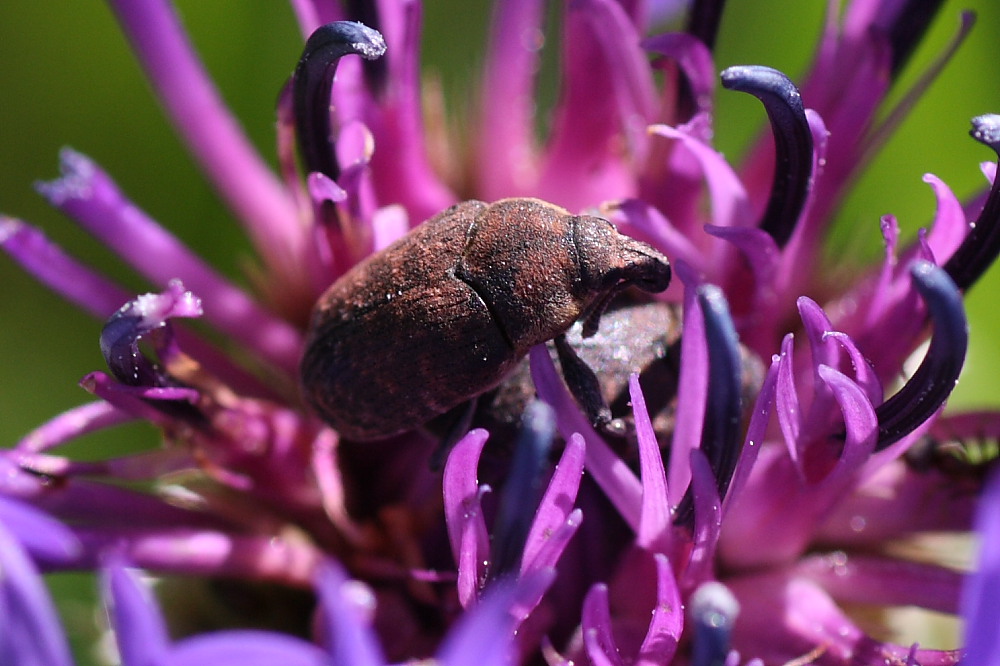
<point>68,78</point>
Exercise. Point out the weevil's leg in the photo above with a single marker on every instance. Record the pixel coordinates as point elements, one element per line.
<point>456,424</point>
<point>586,388</point>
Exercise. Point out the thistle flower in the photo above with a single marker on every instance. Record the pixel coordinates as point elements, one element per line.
<point>794,458</point>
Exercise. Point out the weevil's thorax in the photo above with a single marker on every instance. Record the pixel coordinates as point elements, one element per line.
<point>521,259</point>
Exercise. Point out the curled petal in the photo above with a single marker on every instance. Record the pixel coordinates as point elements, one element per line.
<point>136,319</point>
<point>312,83</point>
<point>660,643</point>
<point>937,375</point>
<point>793,144</point>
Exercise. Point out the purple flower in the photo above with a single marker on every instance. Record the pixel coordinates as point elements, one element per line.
<point>744,501</point>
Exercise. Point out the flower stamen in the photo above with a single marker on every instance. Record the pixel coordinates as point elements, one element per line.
<point>982,246</point>
<point>312,84</point>
<point>793,144</point>
<point>937,375</point>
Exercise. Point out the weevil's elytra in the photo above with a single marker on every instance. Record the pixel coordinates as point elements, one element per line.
<point>446,312</point>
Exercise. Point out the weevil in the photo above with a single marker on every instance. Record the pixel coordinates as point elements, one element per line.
<point>448,311</point>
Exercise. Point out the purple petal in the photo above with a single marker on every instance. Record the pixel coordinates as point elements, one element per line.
<point>71,424</point>
<point>245,648</point>
<point>859,422</point>
<point>135,320</point>
<point>655,518</point>
<point>463,513</point>
<point>212,134</point>
<point>67,277</point>
<point>707,509</point>
<point>756,431</point>
<point>485,635</point>
<point>694,58</point>
<point>556,508</point>
<point>660,643</point>
<point>692,390</point>
<point>88,194</point>
<point>725,190</point>
<point>30,634</point>
<point>348,639</point>
<point>950,225</point>
<point>596,626</point>
<point>139,627</point>
<point>787,402</point>
<point>980,601</point>
<point>42,537</point>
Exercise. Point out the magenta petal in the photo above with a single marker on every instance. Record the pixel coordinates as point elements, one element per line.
<point>867,579</point>
<point>607,99</point>
<point>787,402</point>
<point>707,523</point>
<point>608,470</point>
<point>139,627</point>
<point>507,103</point>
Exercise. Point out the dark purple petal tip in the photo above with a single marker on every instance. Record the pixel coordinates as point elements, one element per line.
<point>982,244</point>
<point>136,319</point>
<point>986,130</point>
<point>312,84</point>
<point>937,375</point>
<point>523,487</point>
<point>703,20</point>
<point>713,614</point>
<point>793,144</point>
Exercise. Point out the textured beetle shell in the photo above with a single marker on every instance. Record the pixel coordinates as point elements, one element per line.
<point>446,312</point>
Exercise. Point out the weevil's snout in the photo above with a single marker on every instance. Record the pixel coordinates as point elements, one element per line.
<point>645,267</point>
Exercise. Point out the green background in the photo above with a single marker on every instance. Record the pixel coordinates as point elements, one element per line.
<point>67,77</point>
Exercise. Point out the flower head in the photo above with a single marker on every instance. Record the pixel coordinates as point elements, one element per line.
<point>712,475</point>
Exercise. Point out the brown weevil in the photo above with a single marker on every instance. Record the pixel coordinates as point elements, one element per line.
<point>446,312</point>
